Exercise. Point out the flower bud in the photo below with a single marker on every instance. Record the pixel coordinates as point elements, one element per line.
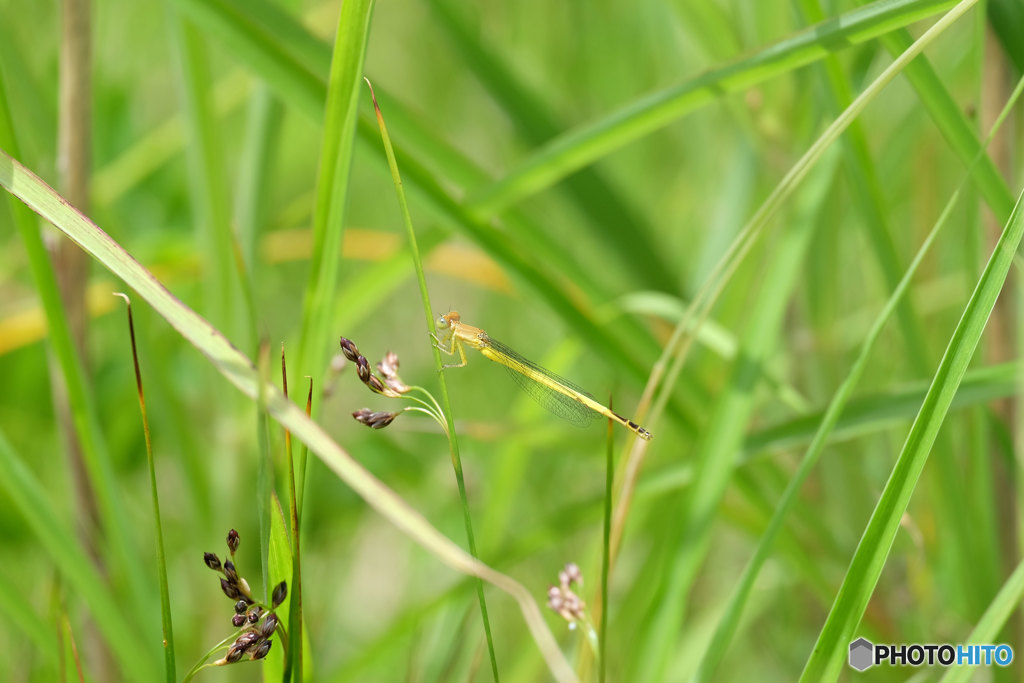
<point>269,625</point>
<point>230,589</point>
<point>246,640</point>
<point>348,347</point>
<point>261,650</point>
<point>212,561</point>
<point>234,654</point>
<point>233,541</point>
<point>375,385</point>
<point>280,593</point>
<point>374,419</point>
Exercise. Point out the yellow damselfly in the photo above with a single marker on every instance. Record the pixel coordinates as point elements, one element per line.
<point>557,394</point>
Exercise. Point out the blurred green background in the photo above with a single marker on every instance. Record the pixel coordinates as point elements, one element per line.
<point>202,127</point>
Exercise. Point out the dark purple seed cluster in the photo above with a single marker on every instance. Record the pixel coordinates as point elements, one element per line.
<point>391,385</point>
<point>257,622</point>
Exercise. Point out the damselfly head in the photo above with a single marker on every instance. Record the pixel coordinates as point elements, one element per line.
<point>448,320</point>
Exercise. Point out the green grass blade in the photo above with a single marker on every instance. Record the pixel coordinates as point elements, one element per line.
<point>340,114</point>
<point>279,562</point>
<point>584,145</point>
<point>874,412</point>
<point>158,529</point>
<point>606,547</point>
<point>868,561</point>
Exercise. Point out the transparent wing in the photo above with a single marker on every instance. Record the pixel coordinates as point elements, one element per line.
<point>565,407</point>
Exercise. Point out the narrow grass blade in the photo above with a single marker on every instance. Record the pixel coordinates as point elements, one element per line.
<point>339,126</point>
<point>294,610</point>
<point>606,545</point>
<point>864,415</point>
<point>453,441</point>
<point>158,529</point>
<point>279,559</point>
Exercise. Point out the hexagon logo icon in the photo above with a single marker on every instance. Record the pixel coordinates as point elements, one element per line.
<point>861,654</point>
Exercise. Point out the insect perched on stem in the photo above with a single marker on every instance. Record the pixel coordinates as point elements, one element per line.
<point>557,394</point>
